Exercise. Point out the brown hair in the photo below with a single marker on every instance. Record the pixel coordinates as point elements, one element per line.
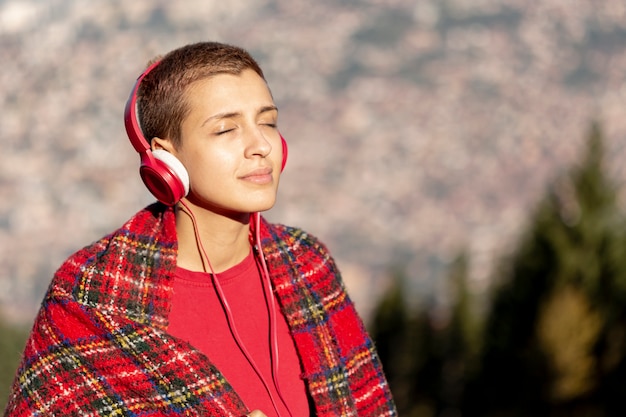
<point>161,96</point>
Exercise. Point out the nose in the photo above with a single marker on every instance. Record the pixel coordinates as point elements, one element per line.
<point>259,143</point>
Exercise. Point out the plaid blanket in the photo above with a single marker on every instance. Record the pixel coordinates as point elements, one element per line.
<point>99,345</point>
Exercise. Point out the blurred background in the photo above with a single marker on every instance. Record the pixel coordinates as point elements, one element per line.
<point>462,159</point>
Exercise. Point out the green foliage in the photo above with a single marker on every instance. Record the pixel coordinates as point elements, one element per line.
<point>426,356</point>
<point>553,342</point>
<point>12,341</point>
<point>560,300</point>
<point>390,330</point>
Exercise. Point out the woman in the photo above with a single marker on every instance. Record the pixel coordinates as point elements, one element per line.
<point>197,305</point>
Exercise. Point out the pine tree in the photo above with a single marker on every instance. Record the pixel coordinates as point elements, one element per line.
<point>391,331</point>
<point>555,334</point>
<point>12,341</point>
<point>426,356</point>
<point>460,336</point>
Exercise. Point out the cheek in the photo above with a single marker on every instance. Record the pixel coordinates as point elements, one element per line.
<point>280,152</point>
<point>211,166</point>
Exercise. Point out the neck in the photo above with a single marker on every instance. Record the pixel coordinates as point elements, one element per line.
<point>225,239</point>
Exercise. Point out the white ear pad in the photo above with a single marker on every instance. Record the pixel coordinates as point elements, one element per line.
<point>175,165</point>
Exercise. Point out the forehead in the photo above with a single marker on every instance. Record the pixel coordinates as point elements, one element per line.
<point>229,91</point>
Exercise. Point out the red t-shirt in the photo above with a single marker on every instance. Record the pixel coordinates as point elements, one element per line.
<point>198,317</point>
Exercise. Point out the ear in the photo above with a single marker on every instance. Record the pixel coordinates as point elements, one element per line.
<point>165,144</point>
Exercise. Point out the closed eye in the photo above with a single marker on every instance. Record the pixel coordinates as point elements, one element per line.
<point>223,132</point>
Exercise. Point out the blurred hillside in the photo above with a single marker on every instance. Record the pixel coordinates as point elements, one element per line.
<point>416,129</point>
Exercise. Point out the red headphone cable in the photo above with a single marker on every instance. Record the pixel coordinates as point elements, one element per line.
<point>229,316</point>
<point>272,307</point>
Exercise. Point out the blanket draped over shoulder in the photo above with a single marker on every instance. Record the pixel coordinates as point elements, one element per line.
<point>100,346</point>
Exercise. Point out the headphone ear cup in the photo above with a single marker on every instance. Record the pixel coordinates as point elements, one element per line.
<point>164,176</point>
<point>285,152</point>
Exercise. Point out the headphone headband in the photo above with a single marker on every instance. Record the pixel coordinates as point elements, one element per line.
<point>131,121</point>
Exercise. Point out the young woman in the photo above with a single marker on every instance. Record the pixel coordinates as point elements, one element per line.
<point>197,305</point>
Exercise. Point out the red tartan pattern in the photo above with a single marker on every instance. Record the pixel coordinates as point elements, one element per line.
<point>99,345</point>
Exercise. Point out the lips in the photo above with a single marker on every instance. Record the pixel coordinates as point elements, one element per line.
<point>259,176</point>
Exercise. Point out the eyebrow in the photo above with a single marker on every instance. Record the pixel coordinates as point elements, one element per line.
<point>230,115</point>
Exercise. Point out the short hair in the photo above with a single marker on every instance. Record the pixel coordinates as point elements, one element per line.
<point>161,97</point>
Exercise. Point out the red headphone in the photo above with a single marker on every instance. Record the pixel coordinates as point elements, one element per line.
<point>162,173</point>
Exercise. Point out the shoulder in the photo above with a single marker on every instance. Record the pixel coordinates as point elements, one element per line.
<point>126,271</point>
<point>153,225</point>
<point>293,240</point>
<point>300,258</point>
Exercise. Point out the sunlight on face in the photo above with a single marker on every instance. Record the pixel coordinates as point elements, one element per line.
<point>230,143</point>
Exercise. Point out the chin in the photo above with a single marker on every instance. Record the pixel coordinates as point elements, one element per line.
<point>263,207</point>
<point>261,202</point>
